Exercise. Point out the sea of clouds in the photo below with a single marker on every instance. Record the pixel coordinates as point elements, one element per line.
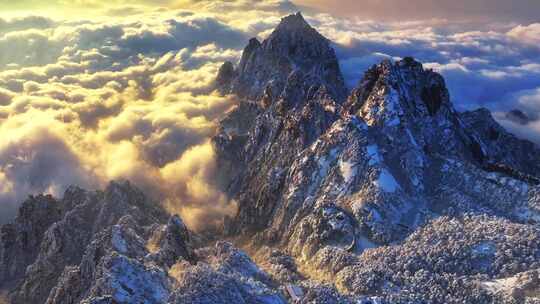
<point>127,93</point>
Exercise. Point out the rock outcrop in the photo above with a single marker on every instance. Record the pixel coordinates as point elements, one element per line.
<point>21,241</point>
<point>294,46</point>
<point>504,150</point>
<point>117,246</point>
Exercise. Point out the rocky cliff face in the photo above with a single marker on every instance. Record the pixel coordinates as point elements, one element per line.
<point>116,246</point>
<point>294,46</point>
<point>384,194</point>
<point>329,179</point>
<point>21,240</point>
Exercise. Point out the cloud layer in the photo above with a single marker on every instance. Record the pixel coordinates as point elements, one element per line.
<point>127,93</point>
<point>88,102</point>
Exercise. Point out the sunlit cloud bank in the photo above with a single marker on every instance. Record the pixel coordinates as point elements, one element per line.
<point>90,101</point>
<point>126,91</point>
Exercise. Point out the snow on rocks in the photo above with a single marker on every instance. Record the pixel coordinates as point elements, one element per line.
<point>434,263</point>
<point>386,181</point>
<point>397,157</point>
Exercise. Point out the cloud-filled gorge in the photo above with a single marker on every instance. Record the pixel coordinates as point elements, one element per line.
<point>127,93</point>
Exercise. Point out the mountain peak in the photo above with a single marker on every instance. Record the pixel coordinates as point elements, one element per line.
<point>293,46</point>
<point>293,21</point>
<point>295,29</point>
<point>424,91</point>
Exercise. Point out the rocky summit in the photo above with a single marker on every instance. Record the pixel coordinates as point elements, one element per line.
<point>380,194</point>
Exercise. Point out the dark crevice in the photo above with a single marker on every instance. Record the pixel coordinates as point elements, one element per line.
<point>432,98</point>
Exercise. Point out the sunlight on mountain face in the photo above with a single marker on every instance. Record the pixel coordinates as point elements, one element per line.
<point>94,90</point>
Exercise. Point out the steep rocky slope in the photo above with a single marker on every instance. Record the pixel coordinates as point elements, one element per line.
<point>328,178</point>
<point>392,156</point>
<point>384,194</point>
<point>116,246</point>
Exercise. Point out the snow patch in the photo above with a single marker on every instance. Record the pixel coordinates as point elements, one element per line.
<point>347,170</point>
<point>386,181</point>
<point>391,106</point>
<point>501,285</point>
<point>323,166</point>
<point>330,108</point>
<point>364,243</point>
<point>134,283</point>
<point>373,154</point>
<point>411,137</point>
<point>484,249</point>
<point>324,163</point>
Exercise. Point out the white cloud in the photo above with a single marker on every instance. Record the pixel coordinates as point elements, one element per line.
<point>528,34</point>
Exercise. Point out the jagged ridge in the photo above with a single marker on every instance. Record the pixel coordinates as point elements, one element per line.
<point>293,46</point>
<point>391,159</point>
